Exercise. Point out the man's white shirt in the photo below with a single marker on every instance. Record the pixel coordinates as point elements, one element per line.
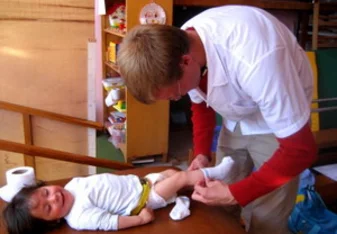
<point>258,75</point>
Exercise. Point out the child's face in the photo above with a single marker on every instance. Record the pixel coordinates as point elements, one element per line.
<point>51,202</point>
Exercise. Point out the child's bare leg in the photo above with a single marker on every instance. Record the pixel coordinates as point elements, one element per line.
<point>169,172</point>
<point>168,187</point>
<point>171,185</point>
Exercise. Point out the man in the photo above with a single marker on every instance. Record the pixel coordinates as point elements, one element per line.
<point>244,64</point>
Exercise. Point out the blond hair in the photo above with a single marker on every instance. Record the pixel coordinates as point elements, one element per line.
<point>149,58</point>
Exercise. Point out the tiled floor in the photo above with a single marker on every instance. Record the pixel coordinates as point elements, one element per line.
<point>179,144</point>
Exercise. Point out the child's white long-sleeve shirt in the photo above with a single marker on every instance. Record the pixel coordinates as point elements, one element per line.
<point>100,199</point>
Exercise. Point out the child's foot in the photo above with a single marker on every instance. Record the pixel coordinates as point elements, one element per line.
<point>220,171</point>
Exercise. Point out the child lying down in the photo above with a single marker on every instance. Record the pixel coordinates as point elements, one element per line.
<point>102,201</point>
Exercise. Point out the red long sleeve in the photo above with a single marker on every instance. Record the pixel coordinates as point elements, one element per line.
<point>204,121</point>
<point>295,153</point>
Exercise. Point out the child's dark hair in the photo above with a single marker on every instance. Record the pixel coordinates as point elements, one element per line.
<point>17,214</point>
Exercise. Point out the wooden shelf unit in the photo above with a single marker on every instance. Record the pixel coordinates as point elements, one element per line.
<point>324,25</point>
<point>147,126</point>
<point>114,32</point>
<point>112,66</point>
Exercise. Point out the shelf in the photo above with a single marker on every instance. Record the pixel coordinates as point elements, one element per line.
<point>328,6</point>
<point>113,66</point>
<point>330,24</point>
<point>115,32</point>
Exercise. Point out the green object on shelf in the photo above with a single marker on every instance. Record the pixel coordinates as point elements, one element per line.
<point>327,82</point>
<point>106,150</point>
<point>218,120</point>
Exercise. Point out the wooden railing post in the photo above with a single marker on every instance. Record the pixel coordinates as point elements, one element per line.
<point>30,151</point>
<point>28,134</point>
<point>315,25</point>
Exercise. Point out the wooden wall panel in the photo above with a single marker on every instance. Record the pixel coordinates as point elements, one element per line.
<point>50,134</point>
<point>53,10</point>
<point>43,64</point>
<point>10,129</point>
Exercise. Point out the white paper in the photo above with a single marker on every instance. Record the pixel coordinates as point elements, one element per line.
<point>101,7</point>
<point>328,170</point>
<point>17,178</point>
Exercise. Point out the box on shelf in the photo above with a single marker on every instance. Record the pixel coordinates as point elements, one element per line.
<point>112,52</point>
<point>112,82</point>
<point>117,117</point>
<point>116,126</point>
<point>117,137</point>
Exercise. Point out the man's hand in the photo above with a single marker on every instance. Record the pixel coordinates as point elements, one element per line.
<point>146,214</point>
<point>198,162</point>
<point>213,193</point>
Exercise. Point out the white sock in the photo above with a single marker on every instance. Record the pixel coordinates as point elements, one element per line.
<point>220,171</point>
<point>181,209</point>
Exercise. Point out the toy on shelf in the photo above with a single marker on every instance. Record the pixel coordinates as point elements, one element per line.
<point>117,121</point>
<point>117,137</point>
<point>115,89</point>
<point>152,13</point>
<point>115,97</point>
<point>117,117</point>
<point>120,106</point>
<point>116,126</point>
<point>116,15</point>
